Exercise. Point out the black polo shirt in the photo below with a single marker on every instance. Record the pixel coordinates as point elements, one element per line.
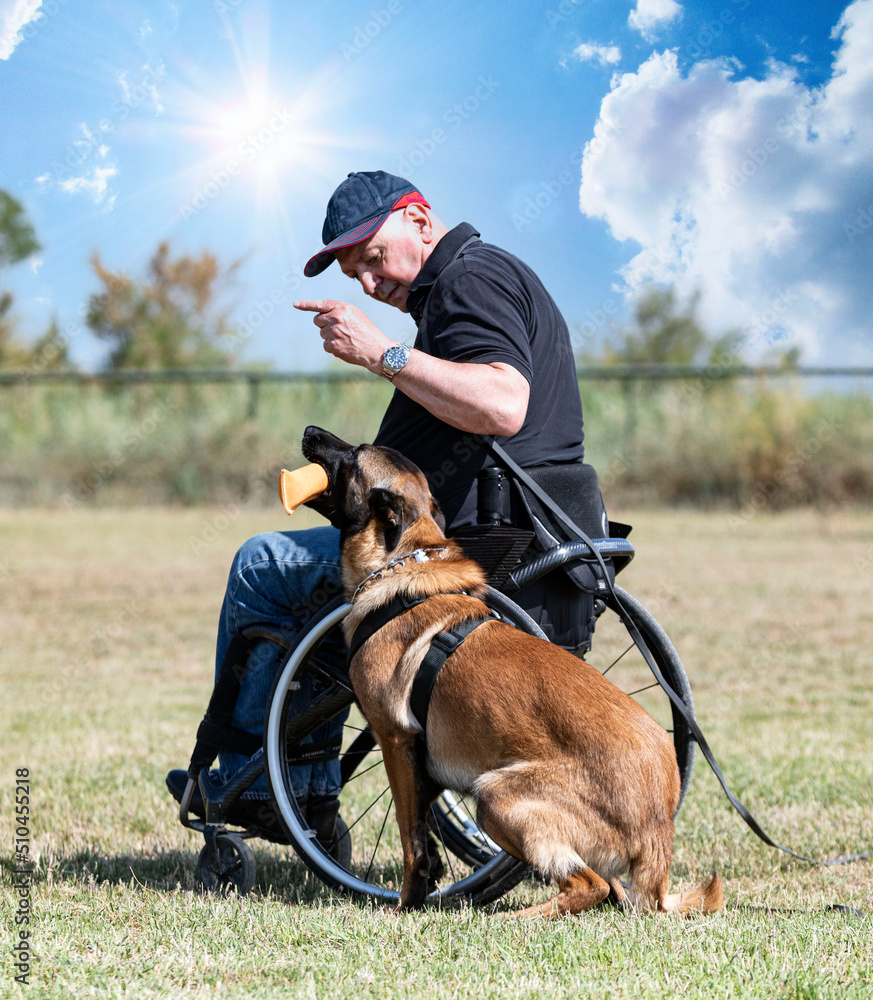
<point>481,305</point>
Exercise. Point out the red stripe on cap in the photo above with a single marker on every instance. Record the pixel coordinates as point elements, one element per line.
<point>413,198</point>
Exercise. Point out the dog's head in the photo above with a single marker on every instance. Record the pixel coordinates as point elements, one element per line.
<point>377,496</point>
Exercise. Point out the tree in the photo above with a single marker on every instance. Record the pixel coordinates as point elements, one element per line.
<point>17,238</point>
<point>17,242</point>
<point>665,333</point>
<point>170,320</point>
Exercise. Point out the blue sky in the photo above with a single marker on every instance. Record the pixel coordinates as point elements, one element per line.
<point>722,147</point>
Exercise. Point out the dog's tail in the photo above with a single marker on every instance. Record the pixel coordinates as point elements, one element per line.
<point>707,898</point>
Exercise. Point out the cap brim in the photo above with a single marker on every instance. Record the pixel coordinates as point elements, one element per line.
<point>325,257</point>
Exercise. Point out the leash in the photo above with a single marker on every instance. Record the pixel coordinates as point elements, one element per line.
<point>700,739</point>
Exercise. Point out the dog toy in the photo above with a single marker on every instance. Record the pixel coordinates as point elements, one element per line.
<point>301,486</point>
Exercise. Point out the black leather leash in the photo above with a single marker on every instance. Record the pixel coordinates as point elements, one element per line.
<point>442,645</point>
<point>749,819</point>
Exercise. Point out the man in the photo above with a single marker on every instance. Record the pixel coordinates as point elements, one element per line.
<point>492,356</point>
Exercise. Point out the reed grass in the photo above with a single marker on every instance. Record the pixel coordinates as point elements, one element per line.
<point>746,445</point>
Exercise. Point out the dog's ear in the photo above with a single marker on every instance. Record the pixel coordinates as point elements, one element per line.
<point>392,512</point>
<point>437,515</point>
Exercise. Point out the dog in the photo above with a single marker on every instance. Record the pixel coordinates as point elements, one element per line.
<point>568,773</point>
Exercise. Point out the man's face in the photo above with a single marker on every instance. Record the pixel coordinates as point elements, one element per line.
<point>387,263</point>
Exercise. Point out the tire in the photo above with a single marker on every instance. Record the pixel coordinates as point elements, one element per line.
<point>375,868</point>
<point>475,869</point>
<point>235,869</point>
<point>613,653</point>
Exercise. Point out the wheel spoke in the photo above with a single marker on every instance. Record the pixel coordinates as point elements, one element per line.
<point>360,774</point>
<point>439,829</point>
<point>648,687</point>
<point>381,831</point>
<point>369,807</point>
<point>617,659</point>
<point>479,834</point>
<point>471,858</point>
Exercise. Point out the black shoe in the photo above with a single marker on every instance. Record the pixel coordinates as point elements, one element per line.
<point>321,815</point>
<point>331,831</point>
<point>259,817</point>
<point>255,815</point>
<point>177,782</point>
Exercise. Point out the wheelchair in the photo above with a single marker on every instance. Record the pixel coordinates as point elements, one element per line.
<point>553,588</point>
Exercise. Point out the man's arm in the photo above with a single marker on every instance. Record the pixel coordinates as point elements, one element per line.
<point>487,398</point>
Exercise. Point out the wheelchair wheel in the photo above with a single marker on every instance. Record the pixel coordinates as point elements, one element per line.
<point>235,867</point>
<point>615,655</point>
<point>475,869</point>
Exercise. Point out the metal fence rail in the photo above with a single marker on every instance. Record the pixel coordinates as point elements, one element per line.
<point>620,373</point>
<point>628,375</point>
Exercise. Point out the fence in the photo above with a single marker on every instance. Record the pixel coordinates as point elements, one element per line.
<point>628,375</point>
<point>663,433</point>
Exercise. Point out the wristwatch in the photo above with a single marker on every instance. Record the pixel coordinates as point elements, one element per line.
<point>394,360</point>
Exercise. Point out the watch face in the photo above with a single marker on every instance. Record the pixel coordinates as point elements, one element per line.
<point>396,356</point>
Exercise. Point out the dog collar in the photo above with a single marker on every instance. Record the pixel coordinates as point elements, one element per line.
<point>417,555</point>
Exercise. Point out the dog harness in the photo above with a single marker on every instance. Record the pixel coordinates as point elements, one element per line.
<point>442,645</point>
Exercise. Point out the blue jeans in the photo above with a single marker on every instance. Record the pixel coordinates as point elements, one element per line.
<point>279,579</point>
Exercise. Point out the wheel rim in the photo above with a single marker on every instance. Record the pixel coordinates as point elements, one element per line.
<point>614,653</point>
<point>366,806</point>
<point>237,866</point>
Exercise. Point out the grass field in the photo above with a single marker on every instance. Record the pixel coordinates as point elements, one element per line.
<point>108,620</point>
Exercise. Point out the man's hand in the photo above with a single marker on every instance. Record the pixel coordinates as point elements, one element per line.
<point>348,332</point>
<point>489,398</point>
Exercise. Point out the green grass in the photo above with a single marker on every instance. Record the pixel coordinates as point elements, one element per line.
<point>108,622</point>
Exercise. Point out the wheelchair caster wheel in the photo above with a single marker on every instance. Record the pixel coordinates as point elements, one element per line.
<point>235,868</point>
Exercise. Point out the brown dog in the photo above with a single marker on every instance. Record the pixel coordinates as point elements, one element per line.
<point>568,773</point>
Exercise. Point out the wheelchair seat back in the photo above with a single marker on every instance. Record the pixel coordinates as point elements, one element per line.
<point>515,524</point>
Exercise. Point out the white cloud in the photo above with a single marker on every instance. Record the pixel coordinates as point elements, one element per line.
<point>604,55</point>
<point>145,88</point>
<point>758,192</point>
<point>15,15</point>
<point>649,14</point>
<point>96,184</point>
<point>86,157</point>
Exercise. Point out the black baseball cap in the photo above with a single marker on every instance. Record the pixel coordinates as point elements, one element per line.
<point>357,209</point>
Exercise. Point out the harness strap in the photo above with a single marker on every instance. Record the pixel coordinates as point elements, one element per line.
<point>441,648</point>
<point>377,619</point>
<point>442,645</point>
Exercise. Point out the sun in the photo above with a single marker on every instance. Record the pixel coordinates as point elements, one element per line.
<point>259,138</point>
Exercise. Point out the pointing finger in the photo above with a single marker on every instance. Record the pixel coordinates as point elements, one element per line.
<point>315,305</point>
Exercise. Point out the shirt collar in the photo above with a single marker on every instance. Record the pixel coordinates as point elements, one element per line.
<point>443,253</point>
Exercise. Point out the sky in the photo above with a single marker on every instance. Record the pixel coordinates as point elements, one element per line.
<point>721,147</point>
